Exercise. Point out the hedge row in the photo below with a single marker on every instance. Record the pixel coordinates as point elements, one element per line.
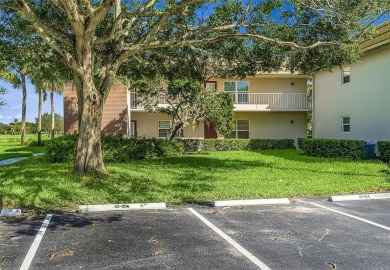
<point>211,145</point>
<point>332,148</point>
<point>115,148</point>
<point>118,149</point>
<point>384,151</point>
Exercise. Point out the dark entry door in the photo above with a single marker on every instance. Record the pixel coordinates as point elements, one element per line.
<point>209,132</point>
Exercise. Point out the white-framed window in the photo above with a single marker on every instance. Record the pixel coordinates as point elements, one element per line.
<point>345,75</point>
<point>210,85</point>
<point>164,127</point>
<point>239,91</point>
<point>345,124</point>
<point>241,130</point>
<point>133,129</point>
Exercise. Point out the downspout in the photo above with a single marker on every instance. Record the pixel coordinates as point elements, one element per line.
<point>313,106</point>
<point>128,114</point>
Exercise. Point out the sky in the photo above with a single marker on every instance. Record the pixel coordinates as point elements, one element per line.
<point>13,108</point>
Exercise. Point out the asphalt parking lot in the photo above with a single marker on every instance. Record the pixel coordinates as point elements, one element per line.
<point>301,235</point>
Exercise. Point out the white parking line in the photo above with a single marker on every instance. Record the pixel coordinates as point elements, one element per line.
<point>237,246</point>
<point>34,246</point>
<point>349,215</point>
<point>251,202</point>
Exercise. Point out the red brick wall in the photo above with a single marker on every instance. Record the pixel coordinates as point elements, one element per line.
<point>114,113</point>
<point>70,109</point>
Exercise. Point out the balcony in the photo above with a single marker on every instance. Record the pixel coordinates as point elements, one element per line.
<point>271,101</point>
<point>253,102</point>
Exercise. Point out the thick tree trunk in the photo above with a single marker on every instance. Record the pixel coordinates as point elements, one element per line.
<point>24,101</point>
<point>91,98</point>
<point>40,117</point>
<point>89,153</point>
<point>90,110</point>
<point>52,114</point>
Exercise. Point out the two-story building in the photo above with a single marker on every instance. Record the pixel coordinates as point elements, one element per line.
<point>352,102</point>
<point>266,106</point>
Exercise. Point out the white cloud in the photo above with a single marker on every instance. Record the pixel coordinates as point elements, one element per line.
<point>16,107</point>
<point>12,117</point>
<point>1,117</point>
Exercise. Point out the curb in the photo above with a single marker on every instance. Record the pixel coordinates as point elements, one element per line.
<point>251,202</point>
<point>10,212</point>
<point>121,207</point>
<point>376,196</point>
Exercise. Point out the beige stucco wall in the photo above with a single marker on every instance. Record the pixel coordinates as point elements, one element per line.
<point>269,85</point>
<point>266,125</point>
<point>275,125</point>
<point>365,99</point>
<point>147,125</point>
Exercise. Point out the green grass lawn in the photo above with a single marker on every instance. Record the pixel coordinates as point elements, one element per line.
<point>34,183</point>
<point>10,146</point>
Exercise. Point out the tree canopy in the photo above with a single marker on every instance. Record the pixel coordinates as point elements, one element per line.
<point>46,123</point>
<point>96,38</point>
<point>188,103</point>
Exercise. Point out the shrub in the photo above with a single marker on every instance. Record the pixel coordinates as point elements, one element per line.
<point>164,148</point>
<point>115,148</point>
<point>300,143</point>
<point>192,145</point>
<point>62,149</point>
<point>270,144</point>
<point>333,148</point>
<point>211,145</point>
<point>384,151</point>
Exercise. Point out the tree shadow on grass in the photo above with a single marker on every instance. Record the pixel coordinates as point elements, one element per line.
<point>40,186</point>
<point>196,162</point>
<point>297,156</point>
<point>236,165</point>
<point>35,184</point>
<point>32,149</point>
<point>300,157</point>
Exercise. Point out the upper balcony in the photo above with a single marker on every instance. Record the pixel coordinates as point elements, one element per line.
<point>253,102</point>
<point>271,101</point>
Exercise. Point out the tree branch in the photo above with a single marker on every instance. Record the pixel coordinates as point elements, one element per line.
<point>97,16</point>
<point>10,5</point>
<point>44,31</point>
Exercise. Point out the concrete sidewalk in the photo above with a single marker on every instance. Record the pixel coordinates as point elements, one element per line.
<point>18,159</point>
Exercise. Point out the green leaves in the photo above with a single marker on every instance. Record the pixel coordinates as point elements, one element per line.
<point>333,148</point>
<point>3,91</point>
<point>189,103</point>
<point>219,112</point>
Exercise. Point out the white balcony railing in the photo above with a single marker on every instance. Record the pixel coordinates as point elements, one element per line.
<point>254,101</point>
<point>272,101</point>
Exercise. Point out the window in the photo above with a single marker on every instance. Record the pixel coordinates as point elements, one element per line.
<point>241,130</point>
<point>164,127</point>
<point>238,90</point>
<point>210,85</point>
<point>346,75</point>
<point>346,124</point>
<point>133,128</point>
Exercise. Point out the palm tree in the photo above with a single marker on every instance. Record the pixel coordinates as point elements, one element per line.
<point>56,88</point>
<point>24,51</point>
<point>48,81</point>
<point>18,80</point>
<point>41,97</point>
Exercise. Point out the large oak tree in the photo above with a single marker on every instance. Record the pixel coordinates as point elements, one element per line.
<point>96,37</point>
